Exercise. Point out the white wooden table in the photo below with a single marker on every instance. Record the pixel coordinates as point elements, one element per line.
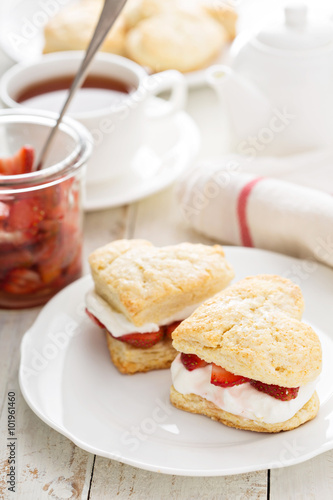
<point>49,466</point>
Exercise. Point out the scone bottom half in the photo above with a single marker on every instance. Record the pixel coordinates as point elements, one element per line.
<point>150,290</point>
<point>136,352</point>
<point>237,351</point>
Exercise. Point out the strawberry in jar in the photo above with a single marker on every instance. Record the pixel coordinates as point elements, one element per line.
<point>40,228</point>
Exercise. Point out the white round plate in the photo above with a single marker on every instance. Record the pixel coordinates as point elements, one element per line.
<point>68,380</point>
<point>169,147</point>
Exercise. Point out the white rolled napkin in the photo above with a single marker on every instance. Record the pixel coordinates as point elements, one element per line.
<point>236,202</point>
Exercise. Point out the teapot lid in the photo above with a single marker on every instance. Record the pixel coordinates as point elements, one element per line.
<point>297,32</point>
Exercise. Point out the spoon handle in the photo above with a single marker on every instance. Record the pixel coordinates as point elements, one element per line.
<point>109,14</point>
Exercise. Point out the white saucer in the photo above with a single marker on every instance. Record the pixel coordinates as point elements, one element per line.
<point>169,148</point>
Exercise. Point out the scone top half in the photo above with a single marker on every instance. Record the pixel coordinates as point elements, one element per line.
<point>253,329</point>
<point>149,284</point>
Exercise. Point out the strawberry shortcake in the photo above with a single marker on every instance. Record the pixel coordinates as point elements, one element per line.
<point>247,360</point>
<point>143,292</point>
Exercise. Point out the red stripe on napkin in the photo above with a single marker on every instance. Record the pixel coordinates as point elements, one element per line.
<point>242,212</point>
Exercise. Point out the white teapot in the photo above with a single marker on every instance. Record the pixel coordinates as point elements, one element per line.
<point>278,92</point>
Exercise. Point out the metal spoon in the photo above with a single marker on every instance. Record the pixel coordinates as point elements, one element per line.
<point>109,14</point>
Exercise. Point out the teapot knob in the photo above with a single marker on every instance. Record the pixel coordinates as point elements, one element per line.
<point>296,14</point>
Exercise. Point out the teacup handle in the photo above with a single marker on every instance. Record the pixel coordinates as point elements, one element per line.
<point>166,80</point>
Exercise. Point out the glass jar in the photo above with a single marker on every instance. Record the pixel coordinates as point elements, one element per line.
<point>41,212</point>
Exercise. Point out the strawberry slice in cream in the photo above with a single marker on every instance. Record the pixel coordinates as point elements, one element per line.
<point>242,400</point>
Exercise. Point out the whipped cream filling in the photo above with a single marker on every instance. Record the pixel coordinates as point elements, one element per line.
<point>119,325</point>
<point>242,400</point>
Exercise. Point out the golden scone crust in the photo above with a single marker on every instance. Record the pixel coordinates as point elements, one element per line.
<point>73,27</point>
<point>131,360</point>
<point>224,14</point>
<point>150,284</point>
<point>136,11</point>
<point>102,258</point>
<point>253,329</point>
<point>178,40</point>
<point>196,404</point>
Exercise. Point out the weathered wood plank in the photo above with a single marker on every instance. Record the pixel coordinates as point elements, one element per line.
<point>160,220</point>
<point>115,480</point>
<point>311,480</point>
<point>47,464</point>
<point>104,226</point>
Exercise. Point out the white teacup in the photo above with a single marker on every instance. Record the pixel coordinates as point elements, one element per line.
<point>117,129</point>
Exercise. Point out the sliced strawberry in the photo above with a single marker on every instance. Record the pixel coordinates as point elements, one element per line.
<point>223,378</point>
<point>26,213</point>
<point>55,203</point>
<point>94,319</point>
<point>48,228</point>
<point>62,200</point>
<point>46,248</point>
<point>21,258</point>
<point>51,260</point>
<point>192,362</point>
<point>142,340</point>
<point>170,328</point>
<point>21,163</point>
<point>22,281</point>
<point>276,391</point>
<point>12,240</point>
<point>49,272</point>
<point>70,242</point>
<point>4,211</point>
<point>74,270</point>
